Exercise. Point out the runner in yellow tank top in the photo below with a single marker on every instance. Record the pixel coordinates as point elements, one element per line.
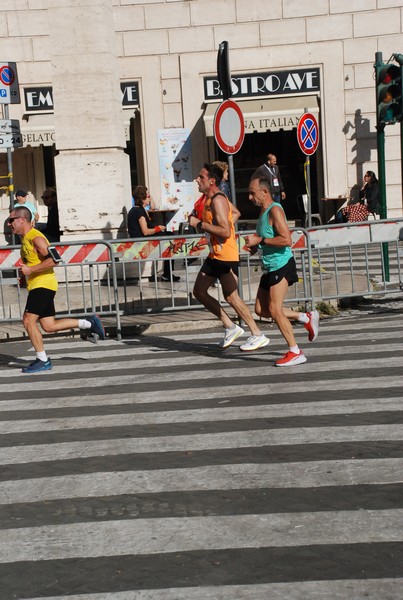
<point>223,260</point>
<point>29,256</point>
<point>41,281</point>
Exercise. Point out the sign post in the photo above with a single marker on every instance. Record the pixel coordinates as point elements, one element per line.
<point>229,127</point>
<point>308,140</point>
<point>229,133</point>
<point>9,88</point>
<point>10,136</point>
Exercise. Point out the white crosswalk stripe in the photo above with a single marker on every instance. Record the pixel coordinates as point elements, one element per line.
<point>198,533</point>
<point>160,468</point>
<point>215,414</point>
<point>228,477</point>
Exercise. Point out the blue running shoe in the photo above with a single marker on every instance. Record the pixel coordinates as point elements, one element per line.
<point>37,366</point>
<point>96,326</point>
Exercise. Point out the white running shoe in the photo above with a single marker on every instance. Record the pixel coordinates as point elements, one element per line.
<point>312,326</point>
<point>291,359</point>
<point>254,342</point>
<point>230,336</point>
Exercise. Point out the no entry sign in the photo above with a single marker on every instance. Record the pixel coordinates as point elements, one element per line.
<point>308,134</point>
<point>229,127</point>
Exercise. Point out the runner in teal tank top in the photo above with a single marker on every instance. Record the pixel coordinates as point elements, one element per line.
<point>273,257</point>
<point>273,238</point>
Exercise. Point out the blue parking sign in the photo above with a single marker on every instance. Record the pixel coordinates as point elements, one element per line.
<point>9,88</point>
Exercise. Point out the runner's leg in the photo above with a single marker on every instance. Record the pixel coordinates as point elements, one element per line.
<point>30,322</point>
<point>229,284</point>
<point>51,325</point>
<point>277,294</point>
<point>200,291</point>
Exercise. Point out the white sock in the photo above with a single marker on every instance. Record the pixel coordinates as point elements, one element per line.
<point>42,356</point>
<point>294,349</point>
<point>84,324</point>
<point>303,318</point>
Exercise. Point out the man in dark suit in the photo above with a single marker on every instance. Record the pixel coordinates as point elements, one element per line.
<point>270,170</point>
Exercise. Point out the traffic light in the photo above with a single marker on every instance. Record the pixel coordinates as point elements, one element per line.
<point>388,93</point>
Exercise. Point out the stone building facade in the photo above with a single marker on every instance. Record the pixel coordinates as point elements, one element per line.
<point>101,79</point>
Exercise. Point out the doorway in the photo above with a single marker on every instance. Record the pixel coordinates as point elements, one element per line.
<point>290,159</point>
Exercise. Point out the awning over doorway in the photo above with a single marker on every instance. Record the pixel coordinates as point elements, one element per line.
<point>268,114</point>
<point>38,130</point>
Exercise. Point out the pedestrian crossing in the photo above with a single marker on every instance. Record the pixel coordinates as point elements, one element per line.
<point>163,468</point>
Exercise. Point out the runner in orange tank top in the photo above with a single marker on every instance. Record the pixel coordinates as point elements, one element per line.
<point>225,249</point>
<point>222,262</point>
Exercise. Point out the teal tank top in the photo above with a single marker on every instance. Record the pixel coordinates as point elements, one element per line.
<point>273,258</point>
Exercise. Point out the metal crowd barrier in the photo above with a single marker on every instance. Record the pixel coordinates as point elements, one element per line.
<point>124,276</point>
<point>140,263</point>
<point>86,276</point>
<point>356,259</point>
<point>334,261</point>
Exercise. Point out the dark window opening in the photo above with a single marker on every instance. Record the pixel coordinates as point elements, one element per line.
<point>290,159</point>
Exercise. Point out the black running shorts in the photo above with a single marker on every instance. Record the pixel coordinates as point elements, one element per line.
<point>289,272</point>
<point>215,268</point>
<point>40,302</point>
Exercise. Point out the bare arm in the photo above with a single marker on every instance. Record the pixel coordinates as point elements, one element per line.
<point>235,213</point>
<point>283,237</point>
<point>147,230</point>
<point>41,246</point>
<point>222,226</point>
<point>153,205</point>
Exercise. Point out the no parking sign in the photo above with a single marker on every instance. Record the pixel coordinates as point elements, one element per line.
<point>9,88</point>
<point>308,134</point>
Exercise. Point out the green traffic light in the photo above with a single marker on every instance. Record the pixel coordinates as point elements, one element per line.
<point>389,93</point>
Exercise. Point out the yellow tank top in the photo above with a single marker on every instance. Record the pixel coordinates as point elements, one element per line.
<point>221,248</point>
<point>44,279</point>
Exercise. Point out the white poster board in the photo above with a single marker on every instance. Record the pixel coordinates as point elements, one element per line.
<point>175,157</point>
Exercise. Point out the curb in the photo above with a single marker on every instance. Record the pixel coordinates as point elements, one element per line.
<point>164,327</point>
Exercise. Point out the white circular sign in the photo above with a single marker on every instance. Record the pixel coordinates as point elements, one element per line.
<point>229,127</point>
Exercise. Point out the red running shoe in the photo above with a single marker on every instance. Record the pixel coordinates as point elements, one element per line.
<point>312,326</point>
<point>291,359</point>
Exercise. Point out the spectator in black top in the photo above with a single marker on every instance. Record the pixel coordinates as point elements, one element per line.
<point>139,225</point>
<point>369,193</point>
<point>138,221</point>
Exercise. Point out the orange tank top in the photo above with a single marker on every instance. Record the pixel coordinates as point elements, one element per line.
<point>221,248</point>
